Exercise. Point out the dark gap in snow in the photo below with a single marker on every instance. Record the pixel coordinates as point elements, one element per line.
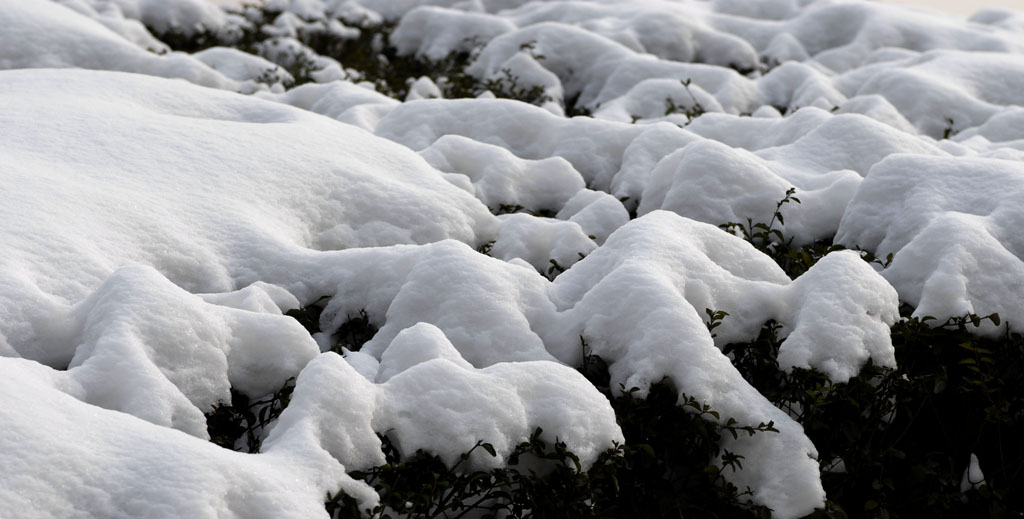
<point>309,315</point>
<point>242,424</point>
<point>594,368</point>
<point>351,335</point>
<point>355,332</point>
<point>516,208</point>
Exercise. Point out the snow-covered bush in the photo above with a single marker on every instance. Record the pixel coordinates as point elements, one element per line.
<point>573,258</point>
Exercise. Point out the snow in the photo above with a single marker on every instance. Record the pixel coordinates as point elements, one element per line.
<point>157,223</point>
<point>291,53</point>
<point>935,87</point>
<point>540,241</point>
<point>596,212</point>
<point>205,222</point>
<point>342,100</point>
<point>242,66</point>
<point>951,226</point>
<point>183,15</point>
<point>638,302</point>
<point>47,34</point>
<point>490,310</point>
<point>111,15</point>
<point>111,464</point>
<point>714,270</point>
<point>500,178</point>
<point>435,32</point>
<point>715,183</point>
<point>594,148</point>
<point>973,477</point>
<point>433,400</point>
<point>423,88</point>
<point>120,340</point>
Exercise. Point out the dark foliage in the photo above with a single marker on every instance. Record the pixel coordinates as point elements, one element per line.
<point>351,335</point>
<point>370,53</point>
<point>892,442</point>
<point>240,425</point>
<point>895,443</point>
<point>665,469</point>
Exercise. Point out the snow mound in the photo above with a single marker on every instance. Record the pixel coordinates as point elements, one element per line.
<point>545,244</point>
<point>634,313</point>
<point>46,34</point>
<point>219,201</point>
<point>186,16</point>
<point>442,405</point>
<point>716,184</point>
<point>594,148</point>
<point>110,464</point>
<point>709,269</point>
<point>342,100</point>
<point>491,310</point>
<point>823,160</point>
<point>952,227</point>
<point>155,229</point>
<point>126,358</point>
<point>499,178</point>
<point>242,66</point>
<point>943,88</point>
<point>435,32</point>
<point>639,302</point>
<point>858,30</point>
<point>111,16</point>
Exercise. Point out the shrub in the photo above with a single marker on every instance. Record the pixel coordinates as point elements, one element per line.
<point>664,469</point>
<point>895,442</point>
<point>242,424</point>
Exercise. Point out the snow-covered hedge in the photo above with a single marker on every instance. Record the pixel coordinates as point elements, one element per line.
<point>575,258</point>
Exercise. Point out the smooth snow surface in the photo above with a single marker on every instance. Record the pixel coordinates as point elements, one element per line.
<point>162,210</point>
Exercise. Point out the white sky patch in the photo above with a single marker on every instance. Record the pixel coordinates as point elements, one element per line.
<point>958,7</point>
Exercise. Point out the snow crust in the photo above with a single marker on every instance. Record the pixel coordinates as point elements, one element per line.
<point>157,223</point>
